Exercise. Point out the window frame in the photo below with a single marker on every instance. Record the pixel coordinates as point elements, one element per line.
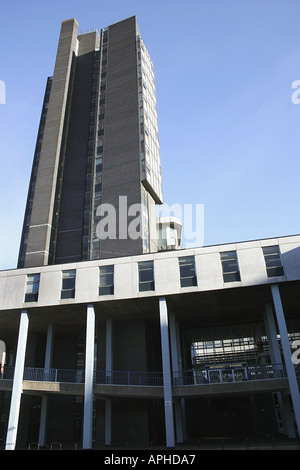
<point>144,283</point>
<point>187,280</point>
<point>233,275</point>
<point>35,283</point>
<point>106,289</point>
<point>70,289</point>
<point>278,269</point>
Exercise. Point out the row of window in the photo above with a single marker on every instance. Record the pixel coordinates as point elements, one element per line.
<point>188,277</point>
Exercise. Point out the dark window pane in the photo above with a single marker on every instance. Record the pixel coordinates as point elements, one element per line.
<point>228,255</point>
<point>229,266</point>
<point>68,283</point>
<point>146,265</point>
<point>273,261</point>
<point>188,281</point>
<point>267,250</point>
<point>186,271</point>
<point>186,260</point>
<point>231,277</point>
<point>272,272</point>
<point>146,275</point>
<point>31,297</point>
<point>68,294</point>
<point>106,290</point>
<point>106,279</point>
<point>144,286</point>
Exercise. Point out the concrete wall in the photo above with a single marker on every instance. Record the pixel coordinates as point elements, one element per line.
<point>41,229</point>
<point>121,153</point>
<point>71,210</point>
<point>167,280</point>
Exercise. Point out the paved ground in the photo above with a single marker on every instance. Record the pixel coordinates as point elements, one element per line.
<point>220,443</point>
<point>268,443</point>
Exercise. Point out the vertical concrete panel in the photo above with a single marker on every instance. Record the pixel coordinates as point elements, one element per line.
<point>290,368</point>
<point>38,247</point>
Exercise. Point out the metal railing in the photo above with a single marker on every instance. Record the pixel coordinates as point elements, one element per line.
<point>129,378</point>
<point>267,371</point>
<point>46,375</point>
<point>224,374</point>
<point>197,376</point>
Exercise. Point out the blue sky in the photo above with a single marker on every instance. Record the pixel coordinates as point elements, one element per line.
<point>229,131</point>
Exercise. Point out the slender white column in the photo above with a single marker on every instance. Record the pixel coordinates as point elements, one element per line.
<point>272,335</point>
<point>49,343</point>
<point>89,375</point>
<point>17,383</point>
<point>276,359</point>
<point>47,365</point>
<point>287,353</point>
<point>109,369</point>
<point>168,399</point>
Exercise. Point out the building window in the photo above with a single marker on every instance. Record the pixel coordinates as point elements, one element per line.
<point>32,288</point>
<point>230,266</point>
<point>68,284</point>
<point>106,280</point>
<point>146,276</point>
<point>273,261</point>
<point>187,271</point>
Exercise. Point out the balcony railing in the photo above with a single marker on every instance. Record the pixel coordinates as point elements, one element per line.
<point>129,378</point>
<point>223,374</point>
<point>211,375</point>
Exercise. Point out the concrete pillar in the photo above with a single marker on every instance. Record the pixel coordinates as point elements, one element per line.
<point>176,374</point>
<point>272,335</point>
<point>109,368</point>
<point>276,359</point>
<point>107,431</point>
<point>168,400</point>
<point>108,348</point>
<point>14,412</point>
<point>89,378</point>
<point>47,366</point>
<point>287,353</point>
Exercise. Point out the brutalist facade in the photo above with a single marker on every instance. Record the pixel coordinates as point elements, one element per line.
<point>206,348</point>
<point>98,146</point>
<point>116,341</point>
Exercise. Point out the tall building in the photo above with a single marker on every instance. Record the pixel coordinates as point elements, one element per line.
<point>97,155</point>
<point>128,341</point>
